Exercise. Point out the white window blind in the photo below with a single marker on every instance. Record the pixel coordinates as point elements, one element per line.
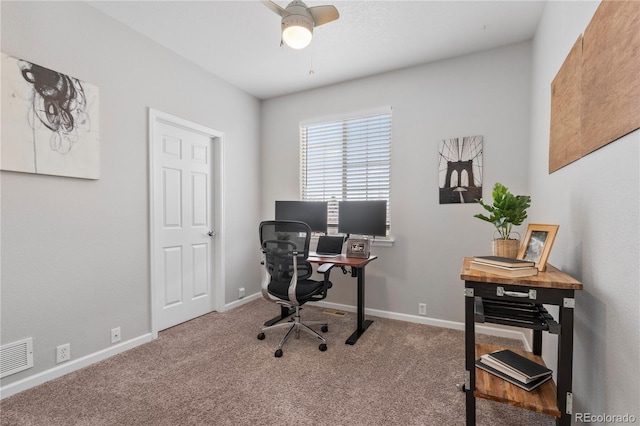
<point>346,160</point>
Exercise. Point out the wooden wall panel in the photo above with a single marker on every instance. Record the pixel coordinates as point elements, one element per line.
<point>566,101</point>
<point>611,74</point>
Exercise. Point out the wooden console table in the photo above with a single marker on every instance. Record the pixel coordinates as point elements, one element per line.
<point>519,302</point>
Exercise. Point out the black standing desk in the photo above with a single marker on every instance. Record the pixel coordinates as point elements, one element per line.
<point>357,266</point>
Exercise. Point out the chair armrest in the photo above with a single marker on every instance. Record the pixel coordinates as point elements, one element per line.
<point>325,270</point>
<point>325,267</point>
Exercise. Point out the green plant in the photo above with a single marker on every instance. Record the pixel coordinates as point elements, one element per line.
<point>507,210</point>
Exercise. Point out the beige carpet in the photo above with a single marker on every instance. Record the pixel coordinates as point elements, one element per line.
<point>214,371</point>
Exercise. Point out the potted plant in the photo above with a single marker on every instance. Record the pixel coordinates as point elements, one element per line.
<point>507,210</point>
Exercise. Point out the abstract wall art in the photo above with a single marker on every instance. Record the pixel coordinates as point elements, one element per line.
<point>460,170</point>
<point>595,96</point>
<point>50,122</point>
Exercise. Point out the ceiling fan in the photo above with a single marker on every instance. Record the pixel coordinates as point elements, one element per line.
<point>298,21</point>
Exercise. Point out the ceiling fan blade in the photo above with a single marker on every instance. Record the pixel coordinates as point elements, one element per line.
<point>323,14</point>
<point>275,8</point>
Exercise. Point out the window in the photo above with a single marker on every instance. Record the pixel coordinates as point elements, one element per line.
<point>346,160</point>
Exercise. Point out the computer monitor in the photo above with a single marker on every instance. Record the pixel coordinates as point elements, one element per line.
<point>313,213</point>
<point>363,217</point>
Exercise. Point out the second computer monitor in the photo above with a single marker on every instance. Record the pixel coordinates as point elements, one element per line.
<point>363,217</point>
<point>313,213</point>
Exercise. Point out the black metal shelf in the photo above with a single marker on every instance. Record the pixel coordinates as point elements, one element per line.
<point>517,314</point>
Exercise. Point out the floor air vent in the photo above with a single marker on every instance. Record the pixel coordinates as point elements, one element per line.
<point>16,356</point>
<point>334,312</point>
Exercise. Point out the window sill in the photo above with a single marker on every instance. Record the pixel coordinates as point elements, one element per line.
<point>376,242</point>
<point>383,242</point>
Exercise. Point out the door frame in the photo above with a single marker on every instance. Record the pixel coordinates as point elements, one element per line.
<point>218,275</point>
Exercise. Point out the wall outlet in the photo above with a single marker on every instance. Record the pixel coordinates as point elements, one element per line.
<point>63,353</point>
<point>240,292</point>
<point>422,308</point>
<point>115,335</point>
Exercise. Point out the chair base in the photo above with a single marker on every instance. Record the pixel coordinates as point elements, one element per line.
<point>295,325</point>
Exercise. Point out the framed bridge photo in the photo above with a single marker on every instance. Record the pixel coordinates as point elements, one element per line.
<point>537,244</point>
<point>460,170</point>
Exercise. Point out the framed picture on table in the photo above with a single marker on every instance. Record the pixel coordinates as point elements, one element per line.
<point>358,247</point>
<point>537,244</point>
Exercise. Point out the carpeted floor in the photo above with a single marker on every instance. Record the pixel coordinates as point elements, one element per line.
<point>214,371</point>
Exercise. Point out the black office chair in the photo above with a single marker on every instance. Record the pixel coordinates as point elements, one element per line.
<point>285,248</point>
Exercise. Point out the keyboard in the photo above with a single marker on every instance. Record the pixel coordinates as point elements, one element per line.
<point>323,254</point>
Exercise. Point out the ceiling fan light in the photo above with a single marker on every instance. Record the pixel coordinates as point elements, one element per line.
<point>297,31</point>
<point>297,37</point>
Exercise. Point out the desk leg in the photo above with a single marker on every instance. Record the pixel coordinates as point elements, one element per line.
<point>565,363</point>
<point>284,313</point>
<point>362,323</point>
<point>537,342</point>
<point>470,356</point>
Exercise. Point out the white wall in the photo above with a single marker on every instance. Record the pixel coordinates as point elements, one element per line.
<point>75,253</point>
<point>595,201</point>
<point>487,94</point>
<point>75,257</point>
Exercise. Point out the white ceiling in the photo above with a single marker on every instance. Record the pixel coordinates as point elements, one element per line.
<point>239,41</point>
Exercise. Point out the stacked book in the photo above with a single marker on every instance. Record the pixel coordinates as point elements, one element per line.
<point>519,370</point>
<point>504,266</point>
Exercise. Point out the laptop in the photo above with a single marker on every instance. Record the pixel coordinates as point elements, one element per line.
<point>329,246</point>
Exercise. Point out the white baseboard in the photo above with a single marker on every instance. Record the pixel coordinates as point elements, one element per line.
<point>241,302</point>
<point>76,364</point>
<point>73,365</point>
<point>70,366</point>
<point>484,329</point>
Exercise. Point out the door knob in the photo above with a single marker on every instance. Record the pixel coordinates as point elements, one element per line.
<point>211,234</point>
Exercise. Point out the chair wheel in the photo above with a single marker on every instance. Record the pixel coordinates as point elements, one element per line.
<point>324,328</point>
<point>322,347</point>
<point>261,336</point>
<point>278,353</point>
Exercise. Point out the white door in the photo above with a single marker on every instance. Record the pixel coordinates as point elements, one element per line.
<point>183,218</point>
